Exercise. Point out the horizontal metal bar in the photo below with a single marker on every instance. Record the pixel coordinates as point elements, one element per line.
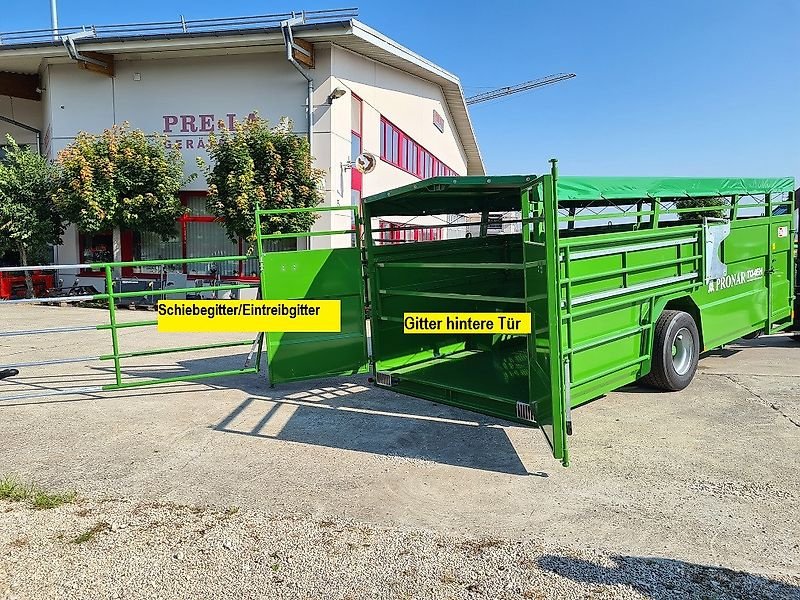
<point>629,248</point>
<point>51,330</point>
<point>504,266</point>
<point>606,216</point>
<point>125,325</point>
<point>47,393</point>
<point>282,211</point>
<point>301,234</point>
<point>170,261</point>
<point>55,299</point>
<point>675,228</point>
<point>446,225</point>
<point>646,285</point>
<point>55,361</point>
<point>607,339</point>
<point>451,296</point>
<point>192,377</point>
<point>170,291</point>
<point>635,269</point>
<point>44,267</point>
<point>158,351</point>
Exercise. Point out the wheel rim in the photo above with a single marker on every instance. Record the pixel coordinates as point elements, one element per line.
<point>682,351</point>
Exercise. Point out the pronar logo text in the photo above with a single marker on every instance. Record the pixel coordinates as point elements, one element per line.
<point>729,281</point>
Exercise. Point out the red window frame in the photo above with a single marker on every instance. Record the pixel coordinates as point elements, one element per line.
<point>356,177</point>
<point>183,220</point>
<point>408,155</point>
<point>396,234</point>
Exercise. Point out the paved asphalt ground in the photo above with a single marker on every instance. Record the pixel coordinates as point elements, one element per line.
<point>677,484</point>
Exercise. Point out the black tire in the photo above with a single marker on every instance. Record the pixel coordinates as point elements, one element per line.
<point>665,374</point>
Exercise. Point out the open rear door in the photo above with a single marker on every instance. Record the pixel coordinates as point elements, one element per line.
<point>548,368</point>
<point>320,274</point>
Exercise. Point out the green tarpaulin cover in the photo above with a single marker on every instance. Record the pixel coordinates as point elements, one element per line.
<point>443,195</point>
<point>593,188</point>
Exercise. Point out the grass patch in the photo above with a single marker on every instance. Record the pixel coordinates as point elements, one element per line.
<point>89,534</point>
<point>14,490</point>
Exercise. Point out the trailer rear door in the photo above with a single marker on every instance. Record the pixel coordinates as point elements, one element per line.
<point>549,372</point>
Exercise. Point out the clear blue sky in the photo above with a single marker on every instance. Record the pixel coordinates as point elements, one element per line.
<point>684,87</point>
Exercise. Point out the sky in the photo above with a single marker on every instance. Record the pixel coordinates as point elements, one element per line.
<point>685,87</point>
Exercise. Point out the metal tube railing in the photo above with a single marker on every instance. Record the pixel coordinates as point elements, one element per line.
<point>117,355</point>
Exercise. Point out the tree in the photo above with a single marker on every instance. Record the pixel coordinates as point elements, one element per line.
<point>29,219</point>
<point>122,179</point>
<point>258,165</point>
<point>697,217</point>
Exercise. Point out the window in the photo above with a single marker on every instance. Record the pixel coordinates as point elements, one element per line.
<point>404,153</point>
<point>398,232</point>
<point>199,234</point>
<point>97,247</point>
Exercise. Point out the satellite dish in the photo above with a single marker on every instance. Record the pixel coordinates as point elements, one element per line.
<point>366,162</point>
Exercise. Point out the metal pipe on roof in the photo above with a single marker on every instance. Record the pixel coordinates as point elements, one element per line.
<point>288,39</point>
<point>54,19</point>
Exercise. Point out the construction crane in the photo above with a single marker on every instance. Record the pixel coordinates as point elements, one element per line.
<point>521,87</point>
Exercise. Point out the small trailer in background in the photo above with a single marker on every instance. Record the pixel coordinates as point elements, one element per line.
<point>626,279</point>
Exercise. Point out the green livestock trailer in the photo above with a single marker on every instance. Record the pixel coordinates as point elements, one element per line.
<point>625,279</point>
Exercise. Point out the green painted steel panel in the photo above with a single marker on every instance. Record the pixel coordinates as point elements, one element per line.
<point>325,274</point>
<point>594,291</point>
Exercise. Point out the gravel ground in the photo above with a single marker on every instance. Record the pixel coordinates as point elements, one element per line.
<point>346,490</point>
<point>162,550</point>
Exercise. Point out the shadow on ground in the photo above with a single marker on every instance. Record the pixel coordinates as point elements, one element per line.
<point>345,415</point>
<point>662,579</point>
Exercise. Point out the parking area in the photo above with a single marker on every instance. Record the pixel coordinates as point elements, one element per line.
<point>708,476</point>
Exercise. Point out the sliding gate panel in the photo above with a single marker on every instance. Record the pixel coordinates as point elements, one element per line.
<point>321,274</point>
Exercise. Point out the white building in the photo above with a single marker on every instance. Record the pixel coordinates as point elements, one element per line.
<point>368,94</point>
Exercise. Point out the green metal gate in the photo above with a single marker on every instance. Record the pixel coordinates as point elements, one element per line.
<point>316,274</point>
<point>118,354</point>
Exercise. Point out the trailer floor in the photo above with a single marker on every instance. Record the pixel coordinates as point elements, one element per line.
<point>708,476</point>
<point>501,374</point>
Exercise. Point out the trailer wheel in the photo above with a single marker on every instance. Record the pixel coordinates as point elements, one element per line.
<point>676,349</point>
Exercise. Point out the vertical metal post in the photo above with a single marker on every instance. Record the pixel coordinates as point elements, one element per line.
<point>656,217</point>
<point>54,19</point>
<point>112,318</point>
<point>770,260</point>
<point>554,314</point>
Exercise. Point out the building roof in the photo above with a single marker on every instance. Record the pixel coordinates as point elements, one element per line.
<point>23,52</point>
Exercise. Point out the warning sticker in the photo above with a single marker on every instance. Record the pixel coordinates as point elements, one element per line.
<point>783,231</point>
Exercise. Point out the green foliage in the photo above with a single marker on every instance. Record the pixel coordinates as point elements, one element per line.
<point>13,490</point>
<point>254,164</point>
<point>701,203</point>
<point>29,220</point>
<point>123,179</point>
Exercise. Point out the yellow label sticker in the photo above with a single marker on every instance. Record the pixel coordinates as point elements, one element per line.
<point>202,316</point>
<point>466,323</point>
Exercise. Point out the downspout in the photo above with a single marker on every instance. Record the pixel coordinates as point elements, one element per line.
<point>38,132</point>
<point>288,40</point>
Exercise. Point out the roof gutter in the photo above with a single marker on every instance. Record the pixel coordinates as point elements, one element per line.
<point>288,40</point>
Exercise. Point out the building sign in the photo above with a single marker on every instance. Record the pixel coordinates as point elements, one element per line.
<point>438,121</point>
<point>187,131</point>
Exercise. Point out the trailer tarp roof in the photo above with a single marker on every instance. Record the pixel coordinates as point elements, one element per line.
<point>452,195</point>
<point>593,188</point>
